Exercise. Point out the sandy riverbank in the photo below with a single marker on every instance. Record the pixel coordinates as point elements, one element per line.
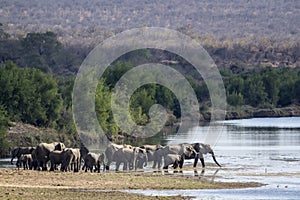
<point>57,185</point>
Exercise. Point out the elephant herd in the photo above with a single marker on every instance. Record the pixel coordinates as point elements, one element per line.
<point>130,157</point>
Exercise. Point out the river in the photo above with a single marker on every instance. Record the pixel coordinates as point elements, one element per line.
<point>265,150</point>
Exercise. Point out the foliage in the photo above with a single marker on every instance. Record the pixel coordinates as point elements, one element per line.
<point>41,51</point>
<point>268,86</point>
<point>39,92</point>
<point>29,95</point>
<point>3,129</point>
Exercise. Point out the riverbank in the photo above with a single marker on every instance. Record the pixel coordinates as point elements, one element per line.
<point>26,184</point>
<point>243,112</point>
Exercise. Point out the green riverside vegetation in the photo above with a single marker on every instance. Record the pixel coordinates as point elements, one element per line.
<point>37,74</point>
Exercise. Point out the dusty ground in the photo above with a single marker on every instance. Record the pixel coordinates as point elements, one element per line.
<point>26,184</point>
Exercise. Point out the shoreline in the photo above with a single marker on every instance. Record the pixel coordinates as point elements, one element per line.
<point>25,183</point>
<point>246,112</point>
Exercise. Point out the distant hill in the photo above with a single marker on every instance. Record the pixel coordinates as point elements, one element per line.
<point>89,21</point>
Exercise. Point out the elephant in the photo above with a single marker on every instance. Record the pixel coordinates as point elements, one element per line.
<point>26,161</point>
<point>75,162</point>
<point>201,149</point>
<point>18,152</point>
<point>93,161</point>
<point>42,152</point>
<point>130,156</point>
<point>175,159</point>
<point>58,157</point>
<point>111,149</point>
<point>150,150</point>
<point>180,149</point>
<point>151,147</point>
<point>34,161</point>
<point>126,156</point>
<point>142,158</point>
<point>83,152</point>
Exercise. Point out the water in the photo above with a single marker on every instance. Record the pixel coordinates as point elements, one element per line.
<point>265,150</point>
<point>5,163</point>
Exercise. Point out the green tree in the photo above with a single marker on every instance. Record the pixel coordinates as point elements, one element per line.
<point>254,91</point>
<point>297,90</point>
<point>114,73</point>
<point>29,95</point>
<point>3,129</point>
<point>287,80</point>
<point>41,50</point>
<point>103,109</point>
<point>235,99</point>
<point>270,80</point>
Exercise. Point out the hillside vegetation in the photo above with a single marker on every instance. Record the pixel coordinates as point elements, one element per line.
<point>89,21</point>
<point>255,44</point>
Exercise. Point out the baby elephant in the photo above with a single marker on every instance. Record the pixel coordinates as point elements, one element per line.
<point>25,160</point>
<point>93,161</point>
<point>174,159</point>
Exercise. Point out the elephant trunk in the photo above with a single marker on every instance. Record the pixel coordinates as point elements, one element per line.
<point>214,158</point>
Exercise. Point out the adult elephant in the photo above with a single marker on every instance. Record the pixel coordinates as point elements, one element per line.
<point>202,149</point>
<point>93,161</point>
<point>34,161</point>
<point>18,152</point>
<point>130,158</point>
<point>58,157</point>
<point>110,151</point>
<point>75,162</point>
<point>150,151</point>
<point>42,153</point>
<point>181,149</point>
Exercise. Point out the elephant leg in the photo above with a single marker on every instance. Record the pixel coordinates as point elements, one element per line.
<point>175,164</point>
<point>154,164</point>
<point>77,166</point>
<point>181,161</point>
<point>118,165</point>
<point>125,166</point>
<point>98,167</point>
<point>202,162</point>
<point>44,166</point>
<point>196,160</point>
<point>52,167</point>
<point>25,165</point>
<point>18,164</point>
<point>107,165</point>
<point>159,163</point>
<point>76,169</point>
<point>30,165</point>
